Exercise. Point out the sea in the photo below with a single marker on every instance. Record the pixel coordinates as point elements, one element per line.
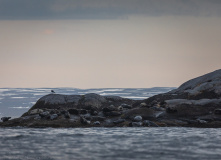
<point>135,143</point>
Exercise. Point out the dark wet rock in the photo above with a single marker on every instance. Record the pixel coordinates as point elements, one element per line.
<point>82,111</point>
<point>217,111</point>
<point>54,101</point>
<point>171,110</point>
<point>114,98</point>
<point>112,113</point>
<point>53,116</point>
<point>156,108</point>
<point>37,117</point>
<point>73,111</point>
<point>119,121</point>
<point>137,119</point>
<point>201,121</point>
<point>136,124</point>
<point>94,100</point>
<point>120,108</point>
<point>52,111</point>
<point>98,118</point>
<point>94,113</point>
<point>93,110</point>
<point>87,117</point>
<point>149,123</point>
<point>146,113</point>
<point>109,108</point>
<point>67,115</point>
<point>36,111</point>
<point>5,119</point>
<point>127,106</point>
<point>208,118</point>
<point>97,123</point>
<point>45,115</point>
<point>162,104</point>
<point>84,121</point>
<point>63,111</point>
<point>153,103</point>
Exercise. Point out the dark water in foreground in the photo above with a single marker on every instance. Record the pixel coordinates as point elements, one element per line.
<point>110,144</point>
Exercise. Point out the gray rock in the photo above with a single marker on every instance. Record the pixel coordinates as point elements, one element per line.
<point>119,121</point>
<point>93,100</point>
<point>113,113</point>
<point>4,119</point>
<point>82,111</point>
<point>35,111</point>
<point>73,111</point>
<point>67,115</point>
<point>120,108</point>
<point>138,119</point>
<point>45,114</point>
<point>109,108</point>
<point>84,121</point>
<point>156,108</point>
<point>98,118</point>
<point>53,116</point>
<point>97,123</point>
<point>94,113</point>
<point>37,117</point>
<point>126,106</point>
<point>171,110</point>
<point>87,117</point>
<point>217,111</point>
<point>206,86</point>
<point>149,123</point>
<point>136,124</point>
<point>201,121</point>
<point>143,104</point>
<point>55,99</point>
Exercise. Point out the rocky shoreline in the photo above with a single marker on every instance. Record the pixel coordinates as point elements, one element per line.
<point>196,103</point>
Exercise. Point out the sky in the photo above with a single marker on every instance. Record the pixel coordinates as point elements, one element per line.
<point>108,43</point>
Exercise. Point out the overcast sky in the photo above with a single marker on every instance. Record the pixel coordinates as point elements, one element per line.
<point>108,43</point>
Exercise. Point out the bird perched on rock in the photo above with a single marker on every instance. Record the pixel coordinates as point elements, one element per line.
<point>52,91</point>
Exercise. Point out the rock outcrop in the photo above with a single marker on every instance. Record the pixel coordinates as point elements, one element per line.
<point>196,103</point>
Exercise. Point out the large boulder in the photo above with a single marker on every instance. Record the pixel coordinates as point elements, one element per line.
<point>210,82</point>
<point>195,98</point>
<point>207,86</point>
<point>91,102</point>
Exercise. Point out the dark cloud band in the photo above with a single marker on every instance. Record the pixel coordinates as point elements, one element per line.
<point>104,9</point>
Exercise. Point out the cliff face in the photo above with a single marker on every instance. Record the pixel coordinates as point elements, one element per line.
<point>196,103</point>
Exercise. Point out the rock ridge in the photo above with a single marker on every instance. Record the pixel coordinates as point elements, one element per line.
<point>196,103</point>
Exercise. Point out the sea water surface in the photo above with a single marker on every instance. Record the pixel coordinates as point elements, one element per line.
<point>110,144</point>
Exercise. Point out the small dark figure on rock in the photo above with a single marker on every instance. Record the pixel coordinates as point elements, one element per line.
<point>4,119</point>
<point>52,91</point>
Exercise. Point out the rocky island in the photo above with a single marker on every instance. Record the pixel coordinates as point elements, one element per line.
<point>196,103</point>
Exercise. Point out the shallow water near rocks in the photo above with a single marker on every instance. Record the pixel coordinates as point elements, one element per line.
<point>109,143</point>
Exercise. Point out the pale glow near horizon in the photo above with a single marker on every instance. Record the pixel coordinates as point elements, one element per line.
<point>137,52</point>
